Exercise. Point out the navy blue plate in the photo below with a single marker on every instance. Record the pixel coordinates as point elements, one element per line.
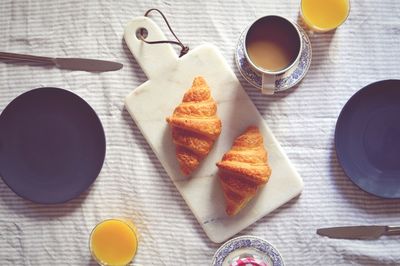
<point>367,138</point>
<point>52,145</point>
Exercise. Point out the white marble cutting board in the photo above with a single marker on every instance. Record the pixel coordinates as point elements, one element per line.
<point>154,100</point>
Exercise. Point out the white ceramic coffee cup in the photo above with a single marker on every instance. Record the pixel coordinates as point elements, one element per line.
<point>268,76</point>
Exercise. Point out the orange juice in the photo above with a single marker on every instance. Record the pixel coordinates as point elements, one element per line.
<point>324,15</point>
<point>113,242</point>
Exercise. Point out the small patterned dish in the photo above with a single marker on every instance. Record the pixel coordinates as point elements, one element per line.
<point>247,248</point>
<point>283,81</point>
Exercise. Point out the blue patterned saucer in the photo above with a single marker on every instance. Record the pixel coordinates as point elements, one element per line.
<point>245,246</point>
<point>283,81</point>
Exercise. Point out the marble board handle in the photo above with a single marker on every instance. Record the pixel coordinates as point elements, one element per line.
<point>152,58</point>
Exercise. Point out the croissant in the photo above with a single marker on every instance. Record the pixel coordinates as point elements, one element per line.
<point>243,170</point>
<point>195,126</point>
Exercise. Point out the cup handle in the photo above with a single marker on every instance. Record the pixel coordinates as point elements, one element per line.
<point>268,84</point>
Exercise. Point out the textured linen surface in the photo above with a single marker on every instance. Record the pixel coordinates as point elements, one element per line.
<point>133,183</point>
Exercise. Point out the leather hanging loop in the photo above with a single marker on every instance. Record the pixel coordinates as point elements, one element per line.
<point>184,48</point>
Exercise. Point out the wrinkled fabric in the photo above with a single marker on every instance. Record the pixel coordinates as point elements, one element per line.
<point>133,184</point>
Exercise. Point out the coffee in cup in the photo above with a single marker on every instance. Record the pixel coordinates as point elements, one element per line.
<point>272,46</point>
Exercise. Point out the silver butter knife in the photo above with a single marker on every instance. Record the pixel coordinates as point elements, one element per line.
<point>359,232</point>
<point>91,65</point>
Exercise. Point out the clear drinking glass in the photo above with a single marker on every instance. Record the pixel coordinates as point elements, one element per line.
<point>113,242</point>
<point>324,15</point>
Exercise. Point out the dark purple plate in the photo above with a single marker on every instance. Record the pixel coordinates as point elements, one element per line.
<point>367,138</point>
<point>52,145</point>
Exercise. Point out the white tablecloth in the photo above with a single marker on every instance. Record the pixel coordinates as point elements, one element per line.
<point>133,183</point>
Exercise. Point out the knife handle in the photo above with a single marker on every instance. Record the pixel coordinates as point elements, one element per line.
<point>393,230</point>
<point>26,58</point>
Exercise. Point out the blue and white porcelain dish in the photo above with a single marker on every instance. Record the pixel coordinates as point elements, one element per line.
<point>283,81</point>
<point>244,246</point>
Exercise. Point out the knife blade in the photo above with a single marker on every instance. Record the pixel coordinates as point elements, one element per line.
<point>90,65</point>
<point>359,232</point>
<point>83,64</point>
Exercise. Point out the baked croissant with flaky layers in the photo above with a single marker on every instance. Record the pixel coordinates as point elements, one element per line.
<point>195,126</point>
<point>243,170</point>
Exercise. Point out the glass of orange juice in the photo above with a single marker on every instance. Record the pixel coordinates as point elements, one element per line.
<point>324,15</point>
<point>113,242</point>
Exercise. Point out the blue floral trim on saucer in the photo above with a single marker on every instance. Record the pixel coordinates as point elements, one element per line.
<point>284,81</point>
<point>243,242</point>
